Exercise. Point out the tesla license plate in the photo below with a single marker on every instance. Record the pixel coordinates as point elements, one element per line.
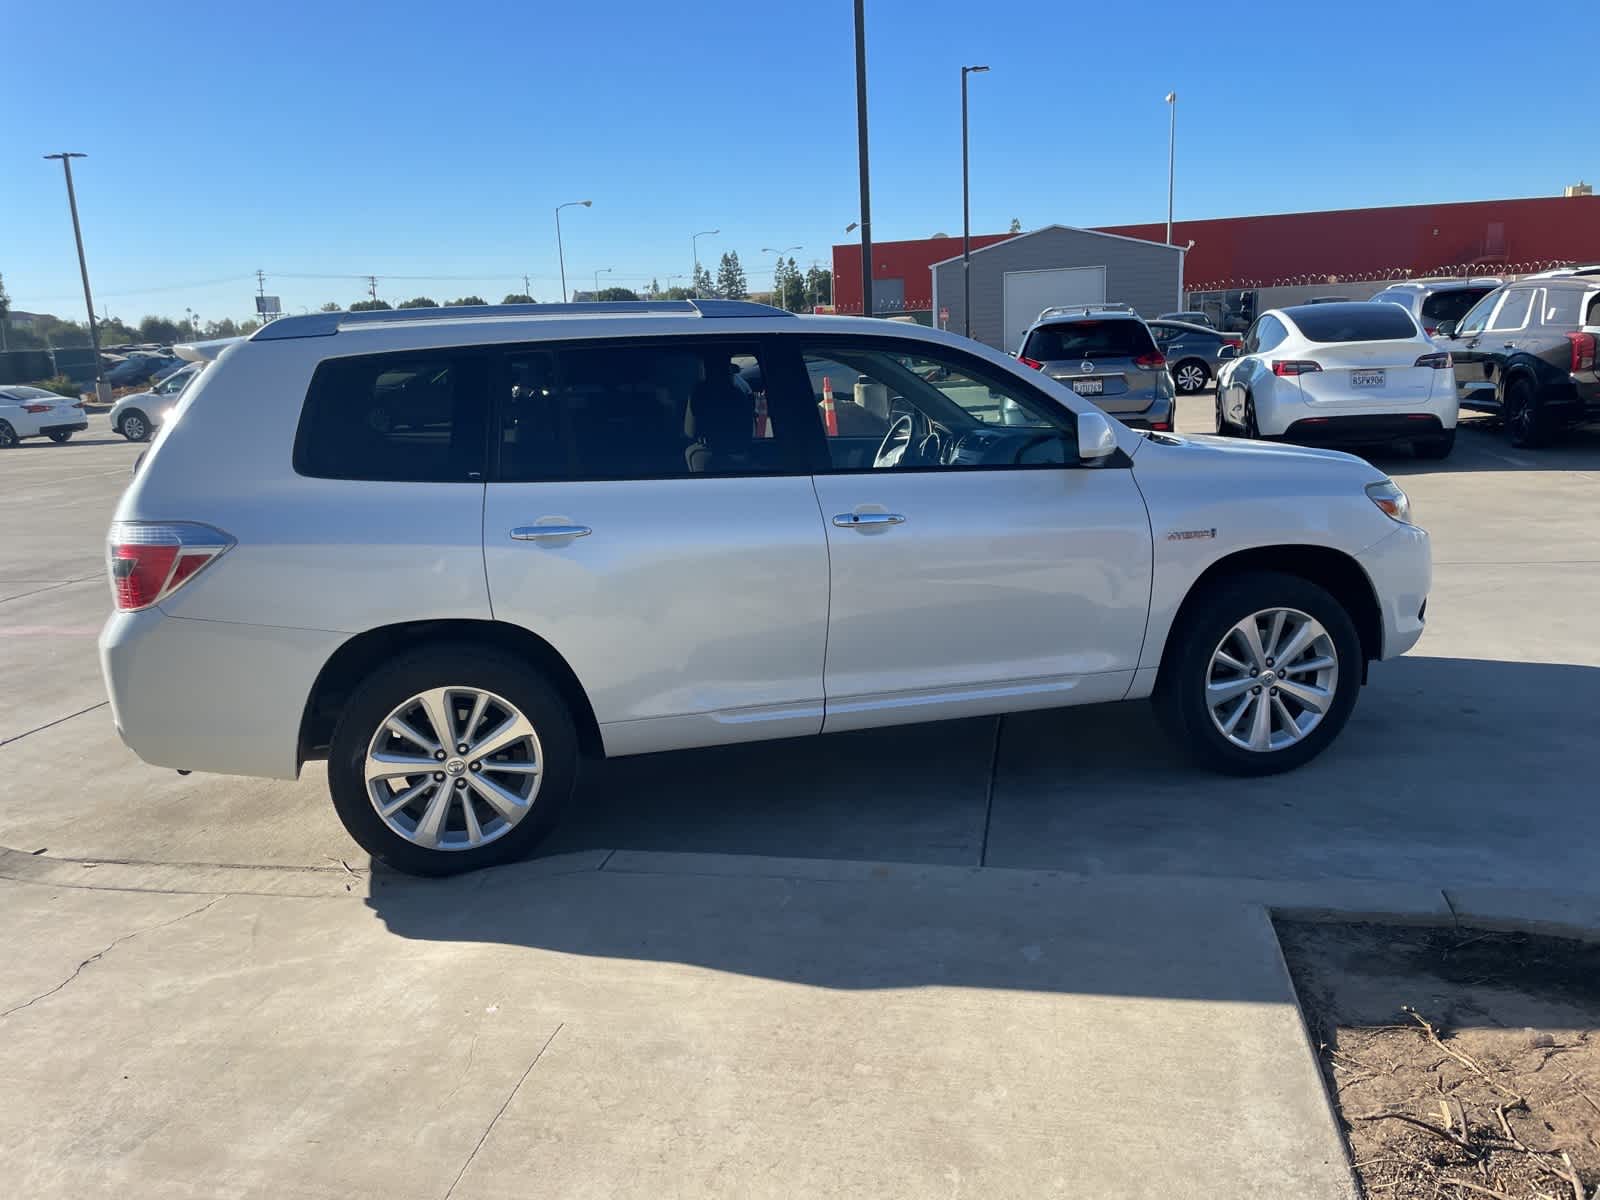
<point>1095,387</point>
<point>1366,378</point>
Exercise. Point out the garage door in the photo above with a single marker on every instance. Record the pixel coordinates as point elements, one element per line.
<point>1028,293</point>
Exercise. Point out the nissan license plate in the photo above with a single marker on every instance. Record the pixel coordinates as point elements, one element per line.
<point>1369,378</point>
<point>1096,387</point>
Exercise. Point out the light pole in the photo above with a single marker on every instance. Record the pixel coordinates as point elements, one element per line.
<point>778,268</point>
<point>861,154</point>
<point>597,274</point>
<point>561,254</point>
<point>966,211</point>
<point>694,244</point>
<point>1172,144</point>
<point>83,268</point>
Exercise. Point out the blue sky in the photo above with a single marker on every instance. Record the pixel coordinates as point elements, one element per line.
<point>409,139</point>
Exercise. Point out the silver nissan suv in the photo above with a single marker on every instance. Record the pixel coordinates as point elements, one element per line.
<point>1104,353</point>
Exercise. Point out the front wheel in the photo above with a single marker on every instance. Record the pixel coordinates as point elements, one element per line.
<point>8,435</point>
<point>452,758</point>
<point>1261,674</point>
<point>135,425</point>
<point>1526,420</point>
<point>1190,375</point>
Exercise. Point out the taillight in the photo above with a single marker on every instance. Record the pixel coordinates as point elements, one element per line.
<point>1290,366</point>
<point>1030,362</point>
<point>1439,362</point>
<point>1151,361</point>
<point>1236,343</point>
<point>1582,351</point>
<point>151,560</point>
<point>37,408</point>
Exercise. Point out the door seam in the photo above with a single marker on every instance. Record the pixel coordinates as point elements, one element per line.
<point>827,608</point>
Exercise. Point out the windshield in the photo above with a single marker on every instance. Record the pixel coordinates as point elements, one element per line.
<point>1114,338</point>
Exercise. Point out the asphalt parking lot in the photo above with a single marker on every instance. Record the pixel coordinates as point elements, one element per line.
<point>772,968</point>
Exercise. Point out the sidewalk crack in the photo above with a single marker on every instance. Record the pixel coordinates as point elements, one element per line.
<point>492,1120</point>
<point>97,956</point>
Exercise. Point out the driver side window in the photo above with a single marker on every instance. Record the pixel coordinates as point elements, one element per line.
<point>911,408</point>
<point>1475,320</point>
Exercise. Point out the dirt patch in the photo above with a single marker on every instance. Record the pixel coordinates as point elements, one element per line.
<point>1463,1063</point>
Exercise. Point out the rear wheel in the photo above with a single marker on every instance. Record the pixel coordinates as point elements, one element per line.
<point>1261,675</point>
<point>1438,447</point>
<point>1223,428</point>
<point>8,435</point>
<point>59,436</point>
<point>1251,429</point>
<point>135,425</point>
<point>1190,375</point>
<point>1526,421</point>
<point>452,758</point>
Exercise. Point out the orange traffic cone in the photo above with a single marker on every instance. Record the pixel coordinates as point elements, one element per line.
<point>762,424</point>
<point>830,419</point>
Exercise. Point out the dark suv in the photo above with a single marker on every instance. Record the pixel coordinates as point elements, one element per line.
<point>1526,352</point>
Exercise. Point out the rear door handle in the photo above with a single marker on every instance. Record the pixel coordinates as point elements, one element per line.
<point>549,533</point>
<point>863,520</point>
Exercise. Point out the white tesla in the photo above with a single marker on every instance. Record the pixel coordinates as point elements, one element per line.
<point>1339,374</point>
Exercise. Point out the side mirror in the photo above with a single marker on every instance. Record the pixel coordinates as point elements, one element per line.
<point>1097,438</point>
<point>1445,329</point>
<point>1229,350</point>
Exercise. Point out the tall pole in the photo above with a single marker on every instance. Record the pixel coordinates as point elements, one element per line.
<point>560,253</point>
<point>966,213</point>
<point>694,245</point>
<point>1172,143</point>
<point>597,274</point>
<point>861,138</point>
<point>83,267</point>
<point>777,270</point>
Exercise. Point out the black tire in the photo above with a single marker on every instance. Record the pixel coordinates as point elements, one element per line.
<point>1526,421</point>
<point>134,426</point>
<point>1436,448</point>
<point>1180,697</point>
<point>8,436</point>
<point>451,665</point>
<point>1251,429</point>
<point>60,436</point>
<point>1187,368</point>
<point>1224,429</point>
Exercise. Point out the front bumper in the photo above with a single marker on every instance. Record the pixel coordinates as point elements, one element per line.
<point>1400,567</point>
<point>211,695</point>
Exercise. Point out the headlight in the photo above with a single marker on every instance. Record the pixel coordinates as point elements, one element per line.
<point>1388,496</point>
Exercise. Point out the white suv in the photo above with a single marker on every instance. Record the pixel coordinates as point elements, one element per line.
<point>451,551</point>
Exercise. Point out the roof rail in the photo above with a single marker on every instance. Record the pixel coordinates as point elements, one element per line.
<point>328,324</point>
<point>1057,310</point>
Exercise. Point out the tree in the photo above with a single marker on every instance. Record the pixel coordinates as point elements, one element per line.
<point>793,292</point>
<point>655,287</point>
<point>159,329</point>
<point>731,283</point>
<point>819,285</point>
<point>248,326</point>
<point>617,293</point>
<point>464,300</point>
<point>224,328</point>
<point>5,300</point>
<point>370,306</point>
<point>1016,226</point>
<point>677,293</point>
<point>331,306</point>
<point>419,302</point>
<point>518,298</point>
<point>702,284</point>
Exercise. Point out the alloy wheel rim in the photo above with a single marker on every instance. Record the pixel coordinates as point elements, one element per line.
<point>454,768</point>
<point>133,427</point>
<point>1190,378</point>
<point>1272,679</point>
<point>8,436</point>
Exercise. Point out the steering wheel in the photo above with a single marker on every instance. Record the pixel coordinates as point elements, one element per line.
<point>892,450</point>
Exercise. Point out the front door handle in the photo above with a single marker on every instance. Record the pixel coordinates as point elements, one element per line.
<point>549,533</point>
<point>865,520</point>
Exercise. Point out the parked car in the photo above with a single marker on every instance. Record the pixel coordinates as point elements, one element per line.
<point>1432,301</point>
<point>134,369</point>
<point>1352,374</point>
<point>1192,352</point>
<point>1189,316</point>
<point>1105,354</point>
<point>599,542</point>
<point>1526,353</point>
<point>30,412</point>
<point>138,415</point>
<point>1329,300</point>
<point>169,366</point>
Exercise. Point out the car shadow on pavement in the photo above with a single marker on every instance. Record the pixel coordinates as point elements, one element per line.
<point>1452,772</point>
<point>1481,446</point>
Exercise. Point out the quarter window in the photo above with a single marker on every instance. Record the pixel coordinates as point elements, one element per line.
<point>1269,334</point>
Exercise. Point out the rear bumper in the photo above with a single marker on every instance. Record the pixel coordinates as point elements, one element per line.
<point>1356,430</point>
<point>1401,569</point>
<point>65,427</point>
<point>211,695</point>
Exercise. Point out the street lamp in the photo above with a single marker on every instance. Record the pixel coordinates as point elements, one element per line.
<point>560,254</point>
<point>1172,142</point>
<point>779,267</point>
<point>694,244</point>
<point>966,210</point>
<point>83,268</point>
<point>597,274</point>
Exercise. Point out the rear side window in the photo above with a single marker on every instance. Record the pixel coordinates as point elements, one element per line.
<point>1451,305</point>
<point>1561,307</point>
<point>417,417</point>
<point>1115,338</point>
<point>1403,299</point>
<point>641,412</point>
<point>1354,323</point>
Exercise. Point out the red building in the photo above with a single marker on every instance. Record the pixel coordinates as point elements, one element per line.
<point>1233,252</point>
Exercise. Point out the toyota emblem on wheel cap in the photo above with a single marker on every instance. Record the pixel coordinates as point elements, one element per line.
<point>1086,365</point>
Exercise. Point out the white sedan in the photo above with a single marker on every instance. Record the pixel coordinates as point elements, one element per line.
<point>30,412</point>
<point>1339,374</point>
